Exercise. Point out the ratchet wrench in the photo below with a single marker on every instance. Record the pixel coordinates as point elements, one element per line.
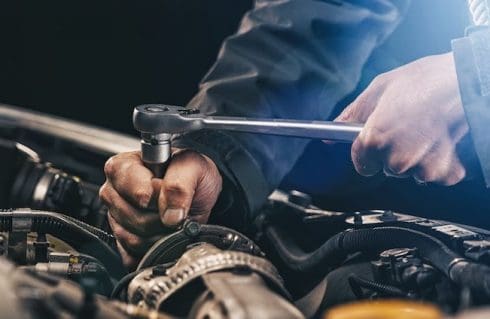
<point>157,123</point>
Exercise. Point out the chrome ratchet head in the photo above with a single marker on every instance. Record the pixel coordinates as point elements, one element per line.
<point>167,119</point>
<point>157,123</point>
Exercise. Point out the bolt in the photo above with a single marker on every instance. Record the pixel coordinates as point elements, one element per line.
<point>358,218</point>
<point>192,229</point>
<point>155,108</point>
<point>159,270</point>
<point>388,216</point>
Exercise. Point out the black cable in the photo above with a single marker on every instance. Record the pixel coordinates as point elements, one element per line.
<point>124,281</point>
<point>357,284</point>
<point>84,238</point>
<point>100,273</point>
<point>87,258</point>
<point>122,284</point>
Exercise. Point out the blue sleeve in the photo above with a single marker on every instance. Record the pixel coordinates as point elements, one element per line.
<point>292,59</point>
<point>472,59</point>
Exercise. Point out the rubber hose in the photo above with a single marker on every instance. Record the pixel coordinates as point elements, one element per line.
<point>472,275</point>
<point>461,271</point>
<point>377,239</point>
<point>84,238</point>
<point>357,282</point>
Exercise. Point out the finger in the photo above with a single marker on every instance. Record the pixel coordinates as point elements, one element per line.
<point>457,173</point>
<point>364,105</point>
<point>129,261</point>
<point>403,154</point>
<point>467,158</point>
<point>183,175</point>
<point>135,245</point>
<point>359,110</point>
<point>206,193</point>
<point>387,171</point>
<point>397,149</point>
<point>140,222</point>
<point>130,178</point>
<point>367,152</point>
<point>441,165</point>
<point>442,172</point>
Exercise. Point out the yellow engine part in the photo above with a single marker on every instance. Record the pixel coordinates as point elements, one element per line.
<point>384,309</point>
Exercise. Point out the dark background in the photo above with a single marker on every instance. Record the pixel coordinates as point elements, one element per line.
<point>95,60</point>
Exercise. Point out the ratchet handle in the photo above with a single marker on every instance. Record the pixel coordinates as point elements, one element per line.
<point>167,119</point>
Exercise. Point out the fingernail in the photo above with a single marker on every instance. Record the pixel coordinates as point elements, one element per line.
<point>144,201</point>
<point>173,216</point>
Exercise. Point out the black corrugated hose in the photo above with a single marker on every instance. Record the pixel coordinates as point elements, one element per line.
<point>463,272</point>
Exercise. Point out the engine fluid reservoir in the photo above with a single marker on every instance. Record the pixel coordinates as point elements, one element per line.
<point>385,309</point>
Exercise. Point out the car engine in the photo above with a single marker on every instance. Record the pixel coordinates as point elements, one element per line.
<point>59,258</point>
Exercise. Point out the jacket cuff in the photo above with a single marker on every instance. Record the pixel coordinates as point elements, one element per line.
<point>244,186</point>
<point>472,60</point>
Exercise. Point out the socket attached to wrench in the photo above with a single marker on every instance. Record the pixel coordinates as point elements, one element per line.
<point>157,123</point>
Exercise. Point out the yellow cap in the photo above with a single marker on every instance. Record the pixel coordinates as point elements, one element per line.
<point>384,309</point>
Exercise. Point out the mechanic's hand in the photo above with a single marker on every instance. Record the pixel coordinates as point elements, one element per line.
<point>414,119</point>
<point>190,188</point>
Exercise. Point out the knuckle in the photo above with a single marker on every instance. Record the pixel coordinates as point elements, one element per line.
<point>348,113</point>
<point>134,242</point>
<point>426,174</point>
<point>113,217</point>
<point>140,223</point>
<point>378,79</point>
<point>109,167</point>
<point>372,138</point>
<point>460,174</point>
<point>129,240</point>
<point>104,193</point>
<point>118,234</point>
<point>177,188</point>
<point>457,175</point>
<point>356,150</point>
<point>142,195</point>
<point>430,176</point>
<point>112,223</point>
<point>398,166</point>
<point>130,169</point>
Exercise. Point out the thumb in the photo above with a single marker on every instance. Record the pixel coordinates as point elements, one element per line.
<point>187,174</point>
<point>350,114</point>
<point>361,108</point>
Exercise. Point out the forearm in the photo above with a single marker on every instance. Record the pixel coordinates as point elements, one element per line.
<point>291,59</point>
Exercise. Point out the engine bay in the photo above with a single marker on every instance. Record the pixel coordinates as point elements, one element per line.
<point>60,260</point>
